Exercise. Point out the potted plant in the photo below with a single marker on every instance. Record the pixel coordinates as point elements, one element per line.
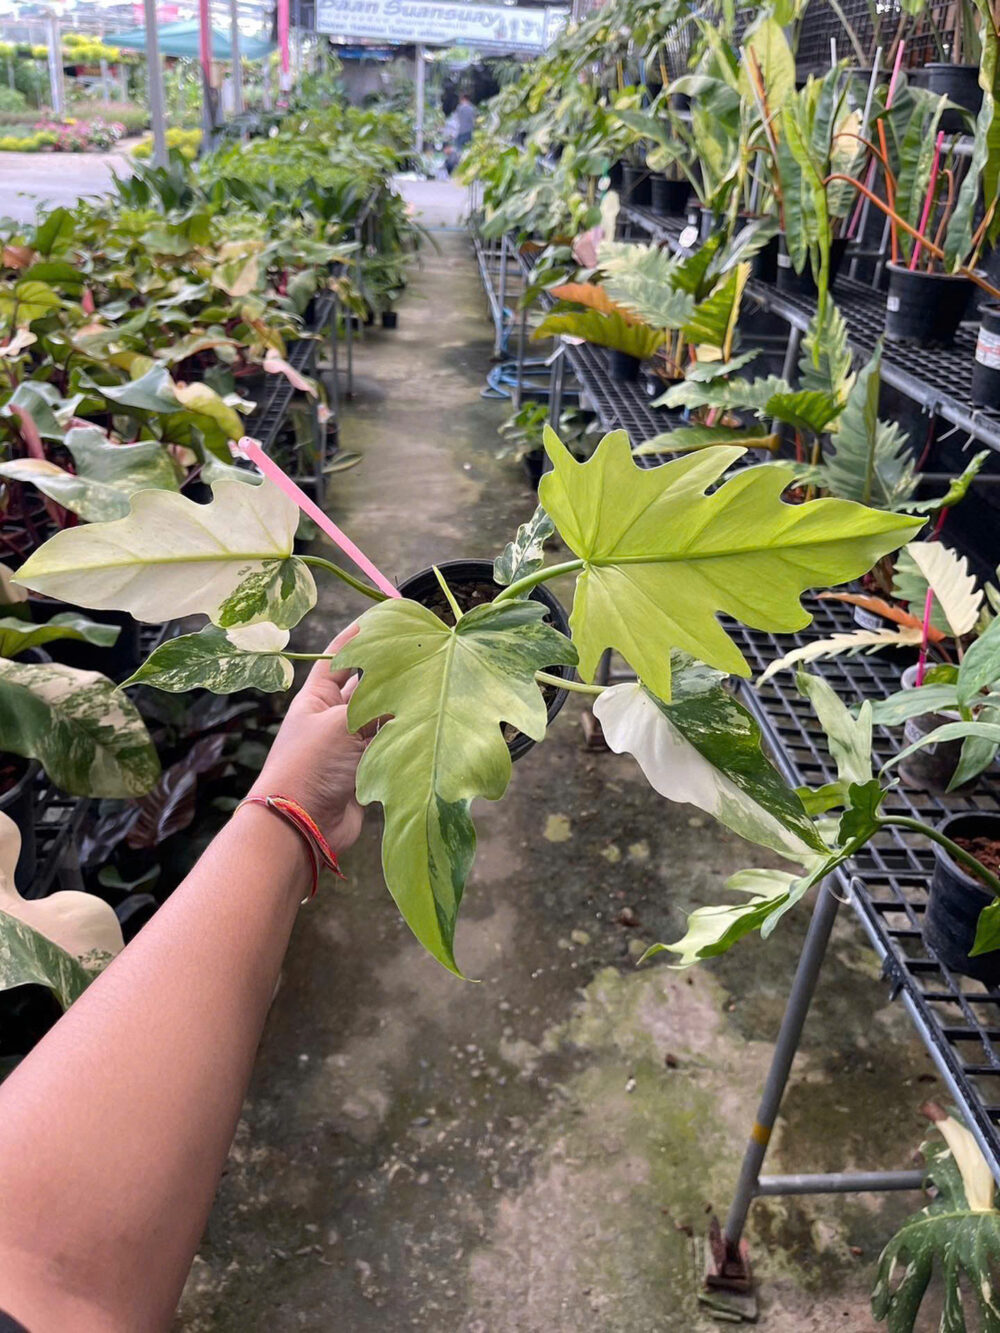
<point>643,586</point>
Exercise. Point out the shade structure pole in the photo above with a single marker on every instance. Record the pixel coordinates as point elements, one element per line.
<point>154,70</point>
<point>237,66</point>
<point>205,60</point>
<point>55,67</point>
<point>285,74</point>
<point>419,85</point>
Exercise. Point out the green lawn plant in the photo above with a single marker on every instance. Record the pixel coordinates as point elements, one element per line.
<point>656,556</point>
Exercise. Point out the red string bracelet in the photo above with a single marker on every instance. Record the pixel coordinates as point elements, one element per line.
<point>320,851</point>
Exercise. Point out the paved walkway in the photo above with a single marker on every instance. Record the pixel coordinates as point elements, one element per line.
<point>532,1154</point>
<point>31,179</point>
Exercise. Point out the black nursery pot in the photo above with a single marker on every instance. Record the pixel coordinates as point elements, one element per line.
<point>924,308</point>
<point>804,284</point>
<point>636,185</point>
<point>623,367</point>
<point>956,900</point>
<point>986,367</point>
<point>960,84</point>
<point>764,265</point>
<point>471,581</point>
<point>18,802</point>
<point>390,319</point>
<point>668,198</point>
<point>118,661</point>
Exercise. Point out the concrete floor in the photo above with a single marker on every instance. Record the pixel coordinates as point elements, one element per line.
<point>532,1154</point>
<point>28,180</point>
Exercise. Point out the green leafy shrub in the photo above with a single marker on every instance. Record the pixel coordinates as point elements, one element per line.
<point>187,143</point>
<point>12,100</point>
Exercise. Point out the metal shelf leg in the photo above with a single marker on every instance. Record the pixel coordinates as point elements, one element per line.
<point>498,339</point>
<point>799,999</point>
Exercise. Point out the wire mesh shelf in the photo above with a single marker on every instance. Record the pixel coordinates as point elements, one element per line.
<point>266,422</point>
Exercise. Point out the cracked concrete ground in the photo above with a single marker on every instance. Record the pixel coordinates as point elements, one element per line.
<point>533,1153</point>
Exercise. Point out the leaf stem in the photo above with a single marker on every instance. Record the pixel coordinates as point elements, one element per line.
<point>299,657</point>
<point>574,686</point>
<point>349,579</point>
<point>540,576</point>
<point>952,848</point>
<point>456,610</point>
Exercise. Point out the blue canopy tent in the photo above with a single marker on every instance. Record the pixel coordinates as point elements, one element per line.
<point>181,39</point>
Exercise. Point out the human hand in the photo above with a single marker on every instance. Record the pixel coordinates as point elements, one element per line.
<point>314,758</point>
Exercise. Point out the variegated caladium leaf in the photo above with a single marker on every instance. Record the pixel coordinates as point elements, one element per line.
<point>86,734</point>
<point>703,747</point>
<point>170,557</point>
<point>447,690</point>
<point>525,554</point>
<point>209,660</point>
<point>661,556</point>
<point>60,941</point>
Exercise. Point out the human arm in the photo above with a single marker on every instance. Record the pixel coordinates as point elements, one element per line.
<point>115,1129</point>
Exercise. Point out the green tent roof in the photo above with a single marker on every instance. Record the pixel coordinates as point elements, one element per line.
<point>181,39</point>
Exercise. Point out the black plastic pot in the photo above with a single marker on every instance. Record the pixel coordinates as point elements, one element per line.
<point>804,284</point>
<point>764,265</point>
<point>960,84</point>
<point>636,185</point>
<point>924,308</point>
<point>623,367</point>
<point>986,367</point>
<point>118,661</point>
<point>931,768</point>
<point>668,198</point>
<point>615,172</point>
<point>18,803</point>
<point>956,900</point>
<point>475,577</point>
<point>390,319</point>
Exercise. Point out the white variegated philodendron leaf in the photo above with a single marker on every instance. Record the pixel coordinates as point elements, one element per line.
<point>83,730</point>
<point>60,941</point>
<point>526,553</point>
<point>231,560</point>
<point>704,748</point>
<point>219,660</point>
<point>957,599</point>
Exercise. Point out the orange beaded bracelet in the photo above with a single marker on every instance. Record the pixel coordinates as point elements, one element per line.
<point>320,850</point>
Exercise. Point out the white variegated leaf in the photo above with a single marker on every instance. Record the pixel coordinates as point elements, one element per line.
<point>855,641</point>
<point>954,587</point>
<point>219,660</point>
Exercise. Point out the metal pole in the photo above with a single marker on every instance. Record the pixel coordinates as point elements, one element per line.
<point>498,339</point>
<point>105,92</point>
<point>841,1182</point>
<point>55,67</point>
<point>419,73</point>
<point>205,60</point>
<point>154,70</point>
<point>284,75</point>
<point>803,986</point>
<point>236,70</point>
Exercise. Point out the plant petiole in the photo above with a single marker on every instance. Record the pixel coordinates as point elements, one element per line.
<point>952,848</point>
<point>574,686</point>
<point>342,574</point>
<point>456,610</point>
<point>540,576</point>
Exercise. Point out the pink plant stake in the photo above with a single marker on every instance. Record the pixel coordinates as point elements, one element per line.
<point>931,187</point>
<point>925,637</point>
<point>251,449</point>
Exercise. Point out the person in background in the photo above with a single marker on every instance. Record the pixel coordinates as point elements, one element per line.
<point>465,119</point>
<point>451,157</point>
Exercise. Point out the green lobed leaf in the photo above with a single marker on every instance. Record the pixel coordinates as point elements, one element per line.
<point>447,691</point>
<point>171,557</point>
<point>662,557</point>
<point>85,733</point>
<point>703,747</point>
<point>980,667</point>
<point>17,636</point>
<point>526,553</point>
<point>209,660</point>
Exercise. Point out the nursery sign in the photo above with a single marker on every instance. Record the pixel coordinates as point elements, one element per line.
<point>510,27</point>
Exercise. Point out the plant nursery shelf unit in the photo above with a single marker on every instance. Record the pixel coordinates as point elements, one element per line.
<point>940,381</point>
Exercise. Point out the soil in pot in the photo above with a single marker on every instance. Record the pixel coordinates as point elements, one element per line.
<point>957,897</point>
<point>471,582</point>
<point>924,308</point>
<point>17,800</point>
<point>986,367</point>
<point>931,768</point>
<point>668,198</point>
<point>804,284</point>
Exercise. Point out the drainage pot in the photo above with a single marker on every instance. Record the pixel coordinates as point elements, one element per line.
<point>986,367</point>
<point>390,319</point>
<point>956,900</point>
<point>960,84</point>
<point>931,768</point>
<point>764,264</point>
<point>636,186</point>
<point>471,582</point>
<point>924,308</point>
<point>668,198</point>
<point>18,778</point>
<point>804,284</point>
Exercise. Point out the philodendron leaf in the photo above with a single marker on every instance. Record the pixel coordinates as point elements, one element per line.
<point>209,660</point>
<point>17,636</point>
<point>85,732</point>
<point>171,557</point>
<point>849,738</point>
<point>447,690</point>
<point>91,500</point>
<point>661,558</point>
<point>128,467</point>
<point>525,553</point>
<point>951,1236</point>
<point>705,748</point>
<point>852,641</point>
<point>58,941</point>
